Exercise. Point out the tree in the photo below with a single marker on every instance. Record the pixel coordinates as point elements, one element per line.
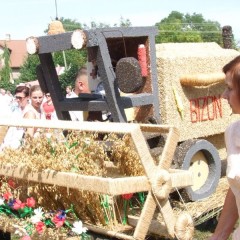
<point>6,70</point>
<point>68,77</point>
<point>95,25</point>
<point>125,22</point>
<point>28,69</point>
<point>74,58</point>
<point>178,27</point>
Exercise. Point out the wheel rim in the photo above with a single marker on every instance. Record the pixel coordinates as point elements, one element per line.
<point>200,169</point>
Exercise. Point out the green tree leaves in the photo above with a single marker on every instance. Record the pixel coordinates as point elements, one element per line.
<point>28,70</point>
<point>6,71</point>
<point>178,27</point>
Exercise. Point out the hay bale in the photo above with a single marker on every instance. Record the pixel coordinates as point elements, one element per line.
<point>204,112</point>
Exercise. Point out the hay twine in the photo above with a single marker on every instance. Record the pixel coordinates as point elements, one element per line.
<point>184,227</point>
<point>162,184</point>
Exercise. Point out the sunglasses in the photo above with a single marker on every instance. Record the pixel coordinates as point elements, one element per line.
<point>19,98</point>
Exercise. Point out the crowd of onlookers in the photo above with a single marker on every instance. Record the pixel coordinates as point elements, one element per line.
<point>11,103</point>
<point>30,102</point>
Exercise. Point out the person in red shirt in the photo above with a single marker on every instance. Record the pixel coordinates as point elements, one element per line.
<point>48,107</point>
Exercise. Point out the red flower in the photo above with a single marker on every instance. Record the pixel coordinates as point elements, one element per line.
<point>11,183</point>
<point>26,238</point>
<point>127,196</point>
<point>59,221</point>
<point>7,195</point>
<point>39,227</point>
<point>31,202</point>
<point>18,204</point>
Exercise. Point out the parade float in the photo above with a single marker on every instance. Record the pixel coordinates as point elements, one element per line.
<point>118,178</point>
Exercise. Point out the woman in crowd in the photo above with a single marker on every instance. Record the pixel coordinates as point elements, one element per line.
<point>48,107</point>
<point>14,135</point>
<point>68,91</point>
<point>35,111</point>
<point>231,209</point>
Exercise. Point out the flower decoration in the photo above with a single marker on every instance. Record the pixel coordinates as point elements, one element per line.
<point>7,195</point>
<point>30,202</point>
<point>36,220</point>
<point>39,227</point>
<point>11,183</point>
<point>26,238</point>
<point>38,215</point>
<point>78,228</point>
<point>1,201</point>
<point>17,204</point>
<point>126,197</point>
<point>59,219</point>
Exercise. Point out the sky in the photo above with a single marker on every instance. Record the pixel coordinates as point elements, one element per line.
<point>24,18</point>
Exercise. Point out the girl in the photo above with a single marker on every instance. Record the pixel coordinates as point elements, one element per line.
<point>14,135</point>
<point>231,209</point>
<point>35,110</point>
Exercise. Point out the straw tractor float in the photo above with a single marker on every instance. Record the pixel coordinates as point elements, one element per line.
<point>165,98</point>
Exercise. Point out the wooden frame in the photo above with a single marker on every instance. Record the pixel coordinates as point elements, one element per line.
<point>115,186</point>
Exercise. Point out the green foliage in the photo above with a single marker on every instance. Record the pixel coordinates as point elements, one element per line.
<point>28,69</point>
<point>70,25</point>
<point>6,71</point>
<point>178,27</point>
<point>8,86</point>
<point>68,77</point>
<point>123,23</point>
<point>96,25</point>
<point>72,57</point>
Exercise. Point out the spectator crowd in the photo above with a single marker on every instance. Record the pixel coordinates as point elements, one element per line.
<point>30,102</point>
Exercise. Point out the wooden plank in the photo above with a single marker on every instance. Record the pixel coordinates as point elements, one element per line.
<point>72,125</point>
<point>54,43</point>
<point>108,186</point>
<point>117,232</point>
<point>166,157</point>
<point>181,178</point>
<point>156,227</point>
<point>53,85</point>
<point>145,217</point>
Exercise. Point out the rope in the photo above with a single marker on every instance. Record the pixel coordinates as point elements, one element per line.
<point>182,200</point>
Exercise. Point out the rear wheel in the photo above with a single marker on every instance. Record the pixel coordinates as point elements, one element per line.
<point>202,159</point>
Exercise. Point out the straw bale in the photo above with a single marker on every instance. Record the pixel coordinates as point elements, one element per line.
<point>204,209</point>
<point>218,141</point>
<point>177,59</point>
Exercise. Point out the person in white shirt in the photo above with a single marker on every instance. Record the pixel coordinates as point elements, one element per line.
<point>35,110</point>
<point>231,209</point>
<point>81,86</point>
<point>69,91</point>
<point>14,135</point>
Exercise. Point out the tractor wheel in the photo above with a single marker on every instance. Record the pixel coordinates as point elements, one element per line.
<point>202,158</point>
